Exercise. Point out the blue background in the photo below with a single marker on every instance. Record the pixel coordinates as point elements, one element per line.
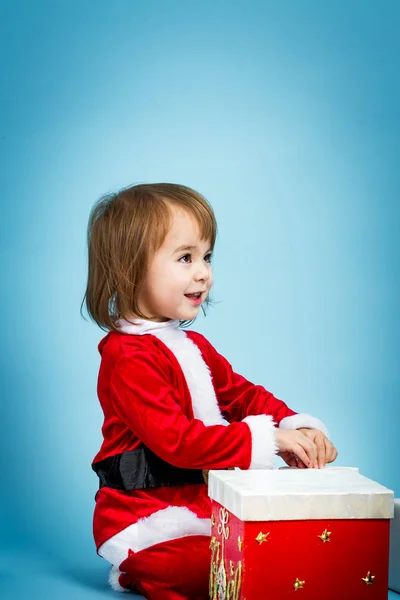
<point>286,116</point>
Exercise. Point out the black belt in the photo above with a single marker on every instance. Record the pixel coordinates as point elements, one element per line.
<point>141,468</point>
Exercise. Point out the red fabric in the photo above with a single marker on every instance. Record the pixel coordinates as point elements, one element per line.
<point>238,397</point>
<point>145,399</point>
<point>174,570</point>
<point>115,510</point>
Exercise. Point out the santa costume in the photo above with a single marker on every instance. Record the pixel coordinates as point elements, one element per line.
<point>173,407</point>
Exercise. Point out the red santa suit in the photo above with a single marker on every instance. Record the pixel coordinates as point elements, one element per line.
<point>169,390</point>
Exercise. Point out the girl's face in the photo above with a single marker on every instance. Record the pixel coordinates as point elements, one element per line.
<point>178,270</point>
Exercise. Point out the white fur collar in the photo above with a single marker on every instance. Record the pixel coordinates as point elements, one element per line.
<point>141,326</point>
<point>196,372</point>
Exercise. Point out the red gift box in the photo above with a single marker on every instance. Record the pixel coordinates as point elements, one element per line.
<point>316,534</point>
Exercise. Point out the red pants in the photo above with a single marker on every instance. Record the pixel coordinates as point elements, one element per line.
<point>174,570</point>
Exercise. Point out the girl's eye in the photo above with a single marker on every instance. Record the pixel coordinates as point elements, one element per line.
<point>188,257</point>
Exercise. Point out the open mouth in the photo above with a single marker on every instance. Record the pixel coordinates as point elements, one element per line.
<point>195,298</point>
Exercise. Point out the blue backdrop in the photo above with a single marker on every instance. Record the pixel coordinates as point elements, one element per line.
<point>286,116</point>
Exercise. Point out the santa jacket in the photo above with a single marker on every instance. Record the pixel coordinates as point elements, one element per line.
<point>170,390</point>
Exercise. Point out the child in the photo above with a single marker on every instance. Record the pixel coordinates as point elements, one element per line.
<point>173,407</point>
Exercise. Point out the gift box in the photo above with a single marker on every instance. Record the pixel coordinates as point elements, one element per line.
<point>311,533</point>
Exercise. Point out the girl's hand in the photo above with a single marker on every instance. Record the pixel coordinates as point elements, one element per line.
<point>326,451</point>
<point>296,449</point>
<point>297,453</point>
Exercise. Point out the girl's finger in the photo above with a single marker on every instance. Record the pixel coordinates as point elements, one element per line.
<point>292,462</point>
<point>335,453</point>
<point>300,452</point>
<point>331,451</point>
<point>319,441</point>
<point>310,448</point>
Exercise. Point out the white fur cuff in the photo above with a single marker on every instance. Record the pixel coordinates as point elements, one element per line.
<point>113,580</point>
<point>263,443</point>
<point>303,420</point>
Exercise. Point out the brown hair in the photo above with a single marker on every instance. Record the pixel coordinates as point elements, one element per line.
<point>125,230</point>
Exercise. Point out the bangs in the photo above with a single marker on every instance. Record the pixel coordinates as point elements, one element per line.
<point>195,205</point>
<point>205,222</point>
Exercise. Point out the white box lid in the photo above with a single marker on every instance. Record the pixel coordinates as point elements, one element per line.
<point>300,494</point>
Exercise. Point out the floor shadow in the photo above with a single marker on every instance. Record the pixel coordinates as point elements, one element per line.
<point>95,578</point>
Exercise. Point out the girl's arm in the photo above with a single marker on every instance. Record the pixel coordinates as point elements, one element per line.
<point>144,398</point>
<point>239,398</point>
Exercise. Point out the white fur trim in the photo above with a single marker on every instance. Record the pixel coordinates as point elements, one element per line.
<point>303,420</point>
<point>141,326</point>
<point>195,370</point>
<point>162,526</point>
<point>263,442</point>
<point>113,578</point>
<point>197,375</point>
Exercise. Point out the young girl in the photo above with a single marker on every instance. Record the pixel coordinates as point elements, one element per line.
<point>173,407</point>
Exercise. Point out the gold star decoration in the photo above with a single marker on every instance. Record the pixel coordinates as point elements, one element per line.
<point>325,536</point>
<point>262,537</point>
<point>369,579</point>
<point>212,520</point>
<point>298,585</point>
<point>240,544</point>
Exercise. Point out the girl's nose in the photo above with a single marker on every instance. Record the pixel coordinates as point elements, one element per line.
<point>202,273</point>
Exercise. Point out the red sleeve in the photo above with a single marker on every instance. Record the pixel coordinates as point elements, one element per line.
<point>238,398</point>
<point>144,399</point>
